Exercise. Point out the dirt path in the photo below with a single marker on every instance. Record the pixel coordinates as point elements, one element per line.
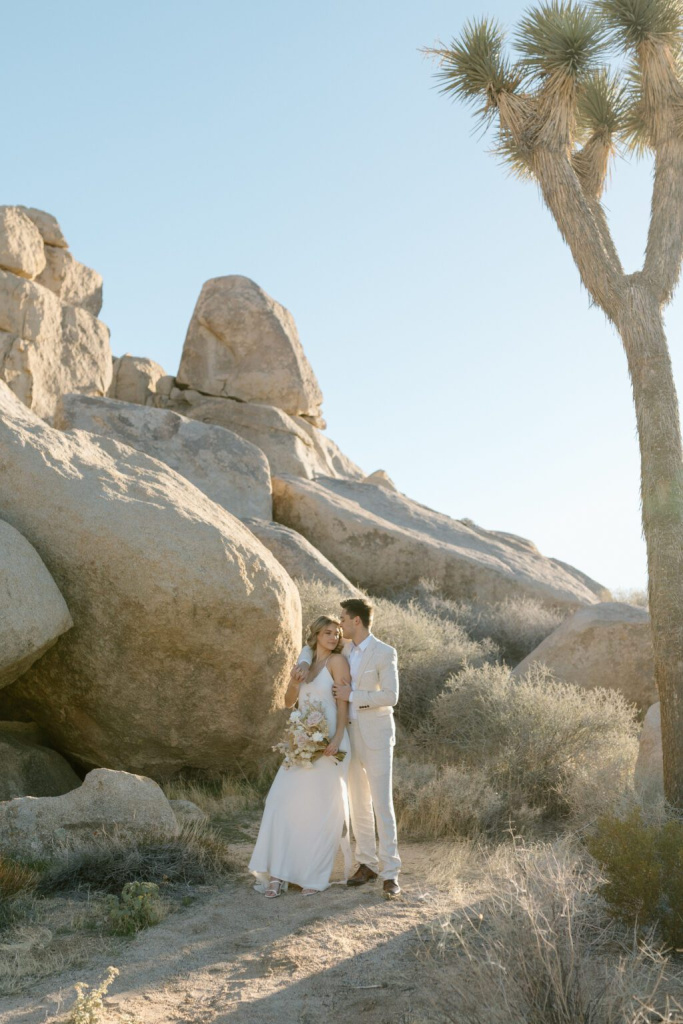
<point>347,955</point>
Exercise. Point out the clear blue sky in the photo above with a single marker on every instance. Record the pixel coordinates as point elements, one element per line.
<point>304,145</point>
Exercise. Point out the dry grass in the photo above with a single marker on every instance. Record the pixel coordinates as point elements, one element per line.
<point>445,801</point>
<point>50,936</point>
<point>429,648</point>
<point>538,948</point>
<point>198,856</point>
<point>221,797</point>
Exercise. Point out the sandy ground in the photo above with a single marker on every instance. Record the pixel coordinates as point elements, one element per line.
<point>346,955</point>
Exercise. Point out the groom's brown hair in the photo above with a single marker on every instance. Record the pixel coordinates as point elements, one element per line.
<point>356,606</point>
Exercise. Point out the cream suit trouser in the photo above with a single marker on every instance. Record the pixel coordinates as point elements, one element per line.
<point>370,790</point>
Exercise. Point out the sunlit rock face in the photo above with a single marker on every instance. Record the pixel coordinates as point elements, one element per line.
<point>51,341</point>
<point>185,626</point>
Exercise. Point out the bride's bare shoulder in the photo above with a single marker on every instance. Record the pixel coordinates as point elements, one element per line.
<point>338,661</point>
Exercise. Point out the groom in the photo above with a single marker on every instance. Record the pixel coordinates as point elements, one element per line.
<point>372,694</point>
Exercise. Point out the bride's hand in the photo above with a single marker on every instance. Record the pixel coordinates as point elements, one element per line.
<point>331,749</point>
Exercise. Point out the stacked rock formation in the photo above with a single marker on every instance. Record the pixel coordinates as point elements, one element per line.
<point>243,369</point>
<point>51,341</point>
<point>151,530</point>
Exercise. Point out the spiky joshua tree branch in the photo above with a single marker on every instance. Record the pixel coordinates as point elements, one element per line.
<point>560,114</point>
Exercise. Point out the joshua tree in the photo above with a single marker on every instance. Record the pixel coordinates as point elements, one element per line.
<point>560,113</point>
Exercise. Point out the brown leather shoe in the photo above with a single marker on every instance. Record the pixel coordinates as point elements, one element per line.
<point>391,887</point>
<point>363,874</point>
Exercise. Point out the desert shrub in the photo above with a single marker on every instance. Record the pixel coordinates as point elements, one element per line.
<point>549,749</point>
<point>429,648</point>
<point>443,801</point>
<point>138,907</point>
<point>197,856</point>
<point>643,864</point>
<point>539,948</point>
<point>515,625</point>
<point>89,1005</point>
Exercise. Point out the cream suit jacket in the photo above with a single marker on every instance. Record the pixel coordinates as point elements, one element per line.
<point>375,691</point>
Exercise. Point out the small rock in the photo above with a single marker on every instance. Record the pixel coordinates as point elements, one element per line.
<point>132,806</point>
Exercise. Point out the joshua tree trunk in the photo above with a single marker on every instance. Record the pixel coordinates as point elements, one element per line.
<point>661,455</point>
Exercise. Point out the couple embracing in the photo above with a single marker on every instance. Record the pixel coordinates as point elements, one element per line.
<point>353,677</point>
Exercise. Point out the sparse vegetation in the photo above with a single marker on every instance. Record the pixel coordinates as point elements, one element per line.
<point>66,915</point>
<point>538,947</point>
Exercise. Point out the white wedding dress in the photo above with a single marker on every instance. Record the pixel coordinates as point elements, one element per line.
<point>306,809</point>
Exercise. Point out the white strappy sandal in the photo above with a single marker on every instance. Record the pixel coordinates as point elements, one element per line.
<point>274,888</point>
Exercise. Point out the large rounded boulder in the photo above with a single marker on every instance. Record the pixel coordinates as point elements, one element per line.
<point>609,645</point>
<point>184,624</point>
<point>33,613</point>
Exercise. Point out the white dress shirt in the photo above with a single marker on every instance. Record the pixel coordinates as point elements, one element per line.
<point>355,658</point>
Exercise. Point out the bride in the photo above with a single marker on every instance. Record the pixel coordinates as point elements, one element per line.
<point>307,807</point>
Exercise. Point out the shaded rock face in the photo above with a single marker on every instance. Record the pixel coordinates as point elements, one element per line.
<point>229,470</point>
<point>51,341</point>
<point>33,613</point>
<point>379,538</point>
<point>30,770</point>
<point>135,379</point>
<point>608,644</point>
<point>292,445</point>
<point>185,625</point>
<point>301,560</point>
<point>243,344</point>
<point>108,802</point>
<point>649,772</point>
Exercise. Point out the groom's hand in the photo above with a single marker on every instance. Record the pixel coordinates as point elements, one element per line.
<point>342,691</point>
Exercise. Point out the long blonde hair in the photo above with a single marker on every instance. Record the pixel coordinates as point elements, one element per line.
<point>317,625</point>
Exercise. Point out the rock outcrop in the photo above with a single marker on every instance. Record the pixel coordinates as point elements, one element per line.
<point>22,251</point>
<point>30,770</point>
<point>51,341</point>
<point>185,625</point>
<point>228,469</point>
<point>649,771</point>
<point>108,803</point>
<point>608,644</point>
<point>33,613</point>
<point>301,560</point>
<point>380,539</point>
<point>292,445</point>
<point>134,379</point>
<point>243,344</point>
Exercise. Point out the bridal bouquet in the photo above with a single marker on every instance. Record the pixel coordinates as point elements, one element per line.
<point>306,737</point>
